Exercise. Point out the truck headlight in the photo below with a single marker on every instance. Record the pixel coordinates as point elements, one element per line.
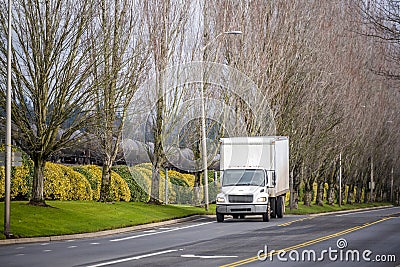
<point>262,199</point>
<point>220,199</point>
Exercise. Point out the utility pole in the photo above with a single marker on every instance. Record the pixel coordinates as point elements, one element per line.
<point>291,190</point>
<point>391,188</point>
<point>372,179</point>
<point>203,125</point>
<point>340,179</point>
<point>7,232</point>
<point>166,186</point>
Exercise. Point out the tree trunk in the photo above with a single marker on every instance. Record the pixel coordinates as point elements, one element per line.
<point>105,195</point>
<point>307,197</point>
<point>366,194</point>
<point>350,194</point>
<point>295,201</point>
<point>320,193</point>
<point>196,189</point>
<point>155,185</point>
<point>358,192</point>
<point>296,188</point>
<point>331,194</point>
<point>37,198</point>
<point>378,193</point>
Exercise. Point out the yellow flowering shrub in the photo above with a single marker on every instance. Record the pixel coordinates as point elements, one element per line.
<point>56,184</point>
<point>19,184</point>
<point>93,175</point>
<point>187,178</point>
<point>119,188</point>
<point>63,183</point>
<point>79,186</point>
<point>142,177</point>
<point>20,187</point>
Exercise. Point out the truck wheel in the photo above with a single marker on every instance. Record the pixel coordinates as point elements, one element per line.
<point>242,216</point>
<point>220,217</point>
<point>235,216</point>
<point>272,201</point>
<point>280,206</point>
<point>267,215</point>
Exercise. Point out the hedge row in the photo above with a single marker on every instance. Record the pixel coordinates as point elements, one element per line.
<point>83,183</point>
<point>64,183</point>
<point>180,186</point>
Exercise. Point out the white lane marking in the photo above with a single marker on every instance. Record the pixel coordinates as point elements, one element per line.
<point>164,228</point>
<point>161,232</point>
<point>44,244</point>
<point>149,231</point>
<point>207,256</point>
<point>71,240</point>
<point>19,247</point>
<point>72,247</point>
<point>47,250</point>
<point>21,254</point>
<point>133,258</point>
<point>358,212</point>
<point>94,243</point>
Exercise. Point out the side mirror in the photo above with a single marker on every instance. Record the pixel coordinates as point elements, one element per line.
<point>271,179</point>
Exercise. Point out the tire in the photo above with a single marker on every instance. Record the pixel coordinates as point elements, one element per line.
<point>242,216</point>
<point>235,216</point>
<point>220,217</point>
<point>266,217</point>
<point>280,206</point>
<point>272,201</point>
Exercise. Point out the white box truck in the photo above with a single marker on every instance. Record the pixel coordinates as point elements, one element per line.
<point>255,177</point>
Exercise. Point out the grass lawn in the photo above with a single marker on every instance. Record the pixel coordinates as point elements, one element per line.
<point>302,210</point>
<point>71,217</point>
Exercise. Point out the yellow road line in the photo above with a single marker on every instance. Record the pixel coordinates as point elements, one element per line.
<point>298,220</point>
<point>311,242</point>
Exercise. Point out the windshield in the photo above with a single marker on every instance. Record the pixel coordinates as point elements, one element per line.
<point>243,177</point>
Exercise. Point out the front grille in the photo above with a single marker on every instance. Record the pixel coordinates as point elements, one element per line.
<point>240,198</point>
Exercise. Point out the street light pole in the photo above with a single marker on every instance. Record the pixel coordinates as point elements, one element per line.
<point>203,126</point>
<point>7,232</point>
<point>204,149</point>
<point>372,179</point>
<point>391,188</point>
<point>340,179</point>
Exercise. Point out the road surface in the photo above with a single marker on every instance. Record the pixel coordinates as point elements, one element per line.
<point>363,238</point>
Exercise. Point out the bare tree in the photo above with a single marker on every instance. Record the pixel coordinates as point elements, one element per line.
<point>118,52</point>
<point>165,23</point>
<point>52,97</point>
<point>381,20</point>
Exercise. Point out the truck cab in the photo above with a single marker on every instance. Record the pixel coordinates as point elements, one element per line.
<point>249,184</point>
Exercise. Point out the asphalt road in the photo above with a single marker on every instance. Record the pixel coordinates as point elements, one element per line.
<point>363,238</point>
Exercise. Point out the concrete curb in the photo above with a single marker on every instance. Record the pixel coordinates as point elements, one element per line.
<point>100,233</point>
<point>347,211</point>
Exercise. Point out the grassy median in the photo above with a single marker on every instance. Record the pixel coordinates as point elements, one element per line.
<point>71,217</point>
<point>313,209</point>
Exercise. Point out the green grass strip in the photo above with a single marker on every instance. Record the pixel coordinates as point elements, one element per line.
<point>313,209</point>
<point>72,217</point>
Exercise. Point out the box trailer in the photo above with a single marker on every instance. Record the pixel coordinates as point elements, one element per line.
<point>255,177</point>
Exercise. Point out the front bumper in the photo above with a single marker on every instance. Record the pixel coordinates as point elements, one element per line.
<point>242,208</point>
